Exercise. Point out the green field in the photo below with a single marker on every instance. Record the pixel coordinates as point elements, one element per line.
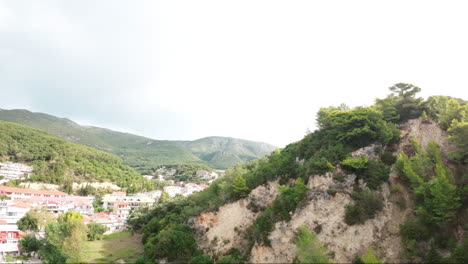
<point>114,247</point>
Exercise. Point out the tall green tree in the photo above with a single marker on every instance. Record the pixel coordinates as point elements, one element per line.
<point>30,244</point>
<point>65,238</point>
<point>440,199</point>
<point>459,135</point>
<point>402,104</point>
<point>95,231</point>
<point>28,223</point>
<point>239,187</point>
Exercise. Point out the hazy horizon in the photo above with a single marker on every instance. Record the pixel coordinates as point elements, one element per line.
<point>255,70</point>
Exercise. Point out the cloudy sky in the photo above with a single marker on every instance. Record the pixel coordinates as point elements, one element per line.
<point>256,70</point>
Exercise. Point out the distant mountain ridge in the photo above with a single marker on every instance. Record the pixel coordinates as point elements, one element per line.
<point>140,152</point>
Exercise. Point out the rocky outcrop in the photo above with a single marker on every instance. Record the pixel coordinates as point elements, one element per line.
<point>323,212</point>
<point>324,215</point>
<point>425,132</point>
<point>222,230</point>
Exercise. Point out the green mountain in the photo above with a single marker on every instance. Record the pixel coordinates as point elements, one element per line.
<point>225,152</point>
<point>144,153</point>
<point>58,161</point>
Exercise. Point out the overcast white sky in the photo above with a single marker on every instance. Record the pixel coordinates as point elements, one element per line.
<point>256,70</point>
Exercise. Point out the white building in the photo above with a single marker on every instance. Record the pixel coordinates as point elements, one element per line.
<point>113,223</point>
<point>83,207</point>
<point>19,193</point>
<point>12,211</point>
<point>9,239</point>
<point>134,201</point>
<point>173,190</point>
<point>191,188</point>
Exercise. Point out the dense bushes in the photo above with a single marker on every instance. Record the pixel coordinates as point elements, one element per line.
<point>366,205</point>
<point>437,201</point>
<point>373,172</point>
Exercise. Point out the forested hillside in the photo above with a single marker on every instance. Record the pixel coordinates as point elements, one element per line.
<point>58,161</point>
<point>143,153</point>
<point>362,171</point>
<point>222,152</point>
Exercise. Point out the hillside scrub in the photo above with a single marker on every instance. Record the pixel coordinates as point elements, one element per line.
<point>437,199</point>
<point>59,162</point>
<point>366,205</point>
<point>341,131</point>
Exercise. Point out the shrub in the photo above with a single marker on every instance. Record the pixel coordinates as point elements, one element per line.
<point>388,158</point>
<point>366,205</point>
<point>309,249</point>
<point>331,191</point>
<point>401,203</point>
<point>396,188</point>
<point>339,177</point>
<point>370,258</point>
<point>201,259</point>
<point>375,174</point>
<point>355,164</point>
<point>413,229</point>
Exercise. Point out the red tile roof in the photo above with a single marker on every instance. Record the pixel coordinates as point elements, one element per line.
<point>80,203</point>
<point>21,205</point>
<point>6,189</point>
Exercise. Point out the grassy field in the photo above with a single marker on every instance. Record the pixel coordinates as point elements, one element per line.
<point>114,247</point>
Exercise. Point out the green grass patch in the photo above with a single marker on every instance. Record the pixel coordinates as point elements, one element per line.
<point>112,247</point>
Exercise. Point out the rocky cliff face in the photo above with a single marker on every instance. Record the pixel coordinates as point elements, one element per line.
<point>220,231</point>
<point>321,212</point>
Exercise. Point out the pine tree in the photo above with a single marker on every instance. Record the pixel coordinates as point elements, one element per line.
<point>239,187</point>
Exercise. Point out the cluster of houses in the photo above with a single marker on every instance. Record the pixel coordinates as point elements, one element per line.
<point>184,189</point>
<point>20,201</point>
<point>14,171</point>
<point>16,202</point>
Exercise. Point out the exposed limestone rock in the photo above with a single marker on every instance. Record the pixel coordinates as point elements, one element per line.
<point>324,214</point>
<point>218,232</point>
<point>424,132</point>
<point>367,151</point>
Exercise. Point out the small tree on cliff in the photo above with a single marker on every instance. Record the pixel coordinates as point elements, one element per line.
<point>239,187</point>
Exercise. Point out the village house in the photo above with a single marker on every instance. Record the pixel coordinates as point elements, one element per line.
<point>83,207</point>
<point>121,209</point>
<point>9,239</point>
<point>191,188</point>
<point>12,211</point>
<point>172,191</point>
<point>112,223</point>
<point>134,201</point>
<point>18,193</point>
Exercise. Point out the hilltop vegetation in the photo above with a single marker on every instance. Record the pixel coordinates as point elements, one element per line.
<point>58,161</point>
<point>141,153</point>
<point>441,194</point>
